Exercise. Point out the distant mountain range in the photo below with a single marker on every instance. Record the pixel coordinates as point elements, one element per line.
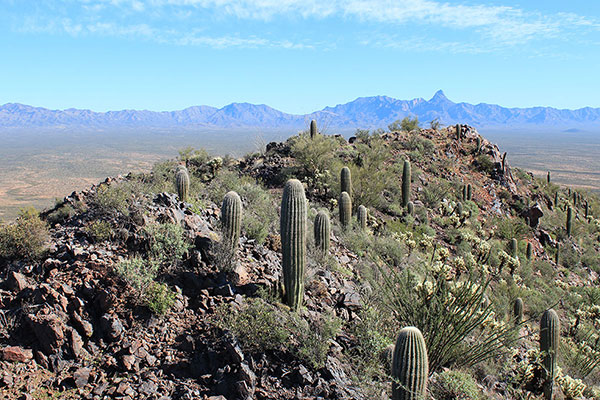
<point>364,112</point>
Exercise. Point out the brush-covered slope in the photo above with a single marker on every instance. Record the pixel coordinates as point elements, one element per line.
<point>123,291</point>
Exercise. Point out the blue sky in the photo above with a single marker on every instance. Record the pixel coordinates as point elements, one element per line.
<point>297,55</point>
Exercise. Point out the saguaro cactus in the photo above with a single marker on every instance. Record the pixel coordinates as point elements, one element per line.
<point>478,148</point>
<point>293,241</point>
<point>518,310</point>
<point>469,194</point>
<point>529,251</point>
<point>322,231</point>
<point>556,199</point>
<point>549,342</point>
<point>313,129</point>
<point>410,366</point>
<point>362,217</point>
<point>406,175</point>
<point>514,247</point>
<point>569,220</point>
<point>410,208</point>
<point>459,209</point>
<point>346,181</point>
<point>345,205</point>
<point>586,209</point>
<point>464,193</point>
<point>182,182</point>
<point>458,131</point>
<point>548,177</point>
<point>557,254</point>
<point>231,218</point>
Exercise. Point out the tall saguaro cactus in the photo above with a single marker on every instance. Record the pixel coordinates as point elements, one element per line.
<point>410,366</point>
<point>514,247</point>
<point>345,205</point>
<point>182,182</point>
<point>346,181</point>
<point>313,129</point>
<point>548,177</point>
<point>529,251</point>
<point>293,241</point>
<point>362,217</point>
<point>469,192</point>
<point>231,218</point>
<point>549,342</point>
<point>569,221</point>
<point>322,229</point>
<point>406,176</point>
<point>458,131</point>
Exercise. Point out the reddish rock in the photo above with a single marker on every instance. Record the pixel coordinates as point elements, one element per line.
<point>49,330</point>
<point>16,281</point>
<point>16,354</point>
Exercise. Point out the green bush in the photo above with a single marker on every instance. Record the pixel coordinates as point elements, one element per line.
<point>137,272</point>
<point>485,164</point>
<point>114,198</point>
<point>99,231</point>
<point>60,214</point>
<point>260,326</point>
<point>167,244</point>
<point>455,385</point>
<point>159,298</point>
<point>26,238</point>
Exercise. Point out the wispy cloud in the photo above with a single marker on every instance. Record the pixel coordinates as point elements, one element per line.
<point>491,26</point>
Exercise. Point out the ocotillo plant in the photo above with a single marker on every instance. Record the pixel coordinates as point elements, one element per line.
<point>322,231</point>
<point>362,217</point>
<point>293,242</point>
<point>410,366</point>
<point>231,218</point>
<point>345,205</point>
<point>549,342</point>
<point>518,311</point>
<point>406,176</point>
<point>569,221</point>
<point>514,247</point>
<point>313,129</point>
<point>182,182</point>
<point>346,181</point>
<point>410,208</point>
<point>529,251</point>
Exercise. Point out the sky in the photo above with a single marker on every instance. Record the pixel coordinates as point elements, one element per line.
<point>297,55</point>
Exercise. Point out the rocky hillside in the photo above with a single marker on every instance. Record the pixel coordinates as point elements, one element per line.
<point>136,288</point>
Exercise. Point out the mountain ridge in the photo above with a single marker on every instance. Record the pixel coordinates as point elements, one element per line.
<point>363,112</point>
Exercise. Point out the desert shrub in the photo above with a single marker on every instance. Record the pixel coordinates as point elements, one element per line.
<point>508,228</point>
<point>407,125</point>
<point>61,213</point>
<point>455,385</point>
<point>114,198</point>
<point>25,238</point>
<point>314,156</point>
<point>450,314</point>
<point>167,244</point>
<point>260,326</point>
<point>420,145</point>
<point>159,298</point>
<point>434,192</point>
<point>137,272</point>
<point>99,231</point>
<point>485,164</point>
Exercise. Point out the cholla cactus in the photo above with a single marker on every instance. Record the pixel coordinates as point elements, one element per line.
<point>549,342</point>
<point>293,241</point>
<point>345,210</point>
<point>322,229</point>
<point>231,218</point>
<point>362,217</point>
<point>410,366</point>
<point>182,182</point>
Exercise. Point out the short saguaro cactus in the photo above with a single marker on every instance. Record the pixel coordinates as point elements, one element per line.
<point>410,366</point>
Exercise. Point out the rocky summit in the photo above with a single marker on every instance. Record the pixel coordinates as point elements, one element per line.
<point>148,286</point>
